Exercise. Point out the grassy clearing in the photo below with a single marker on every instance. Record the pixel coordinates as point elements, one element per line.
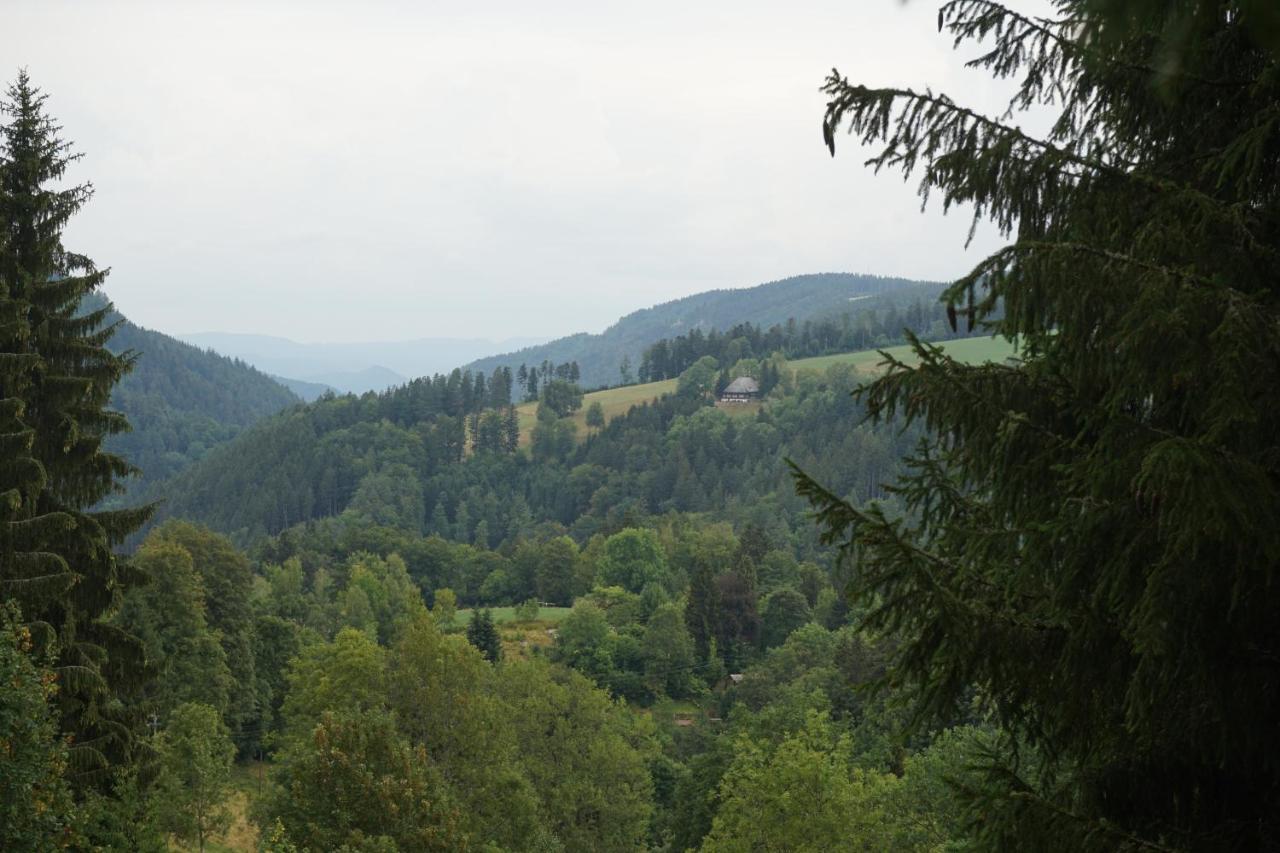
<point>740,410</point>
<point>614,401</point>
<point>677,706</point>
<point>503,615</point>
<point>242,835</point>
<point>967,350</point>
<point>521,640</point>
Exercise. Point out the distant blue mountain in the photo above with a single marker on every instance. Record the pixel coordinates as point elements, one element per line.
<point>354,367</point>
<point>308,391</point>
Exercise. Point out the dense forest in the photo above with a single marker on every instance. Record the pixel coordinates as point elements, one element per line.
<point>433,457</point>
<point>180,401</point>
<point>941,605</point>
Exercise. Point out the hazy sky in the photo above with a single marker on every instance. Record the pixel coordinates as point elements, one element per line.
<point>376,170</point>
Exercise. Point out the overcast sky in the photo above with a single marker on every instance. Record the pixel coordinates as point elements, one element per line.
<point>333,171</point>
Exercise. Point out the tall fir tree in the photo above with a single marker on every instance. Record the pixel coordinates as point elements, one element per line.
<point>57,378</point>
<point>1091,538</point>
<point>483,634</point>
<point>702,613</point>
<point>511,429</point>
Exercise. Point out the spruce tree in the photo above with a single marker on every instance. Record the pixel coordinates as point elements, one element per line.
<point>702,613</point>
<point>1091,537</point>
<point>511,429</point>
<point>56,376</point>
<point>483,634</point>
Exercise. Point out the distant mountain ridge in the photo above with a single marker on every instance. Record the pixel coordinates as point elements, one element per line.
<point>800,297</point>
<point>308,391</point>
<point>352,367</point>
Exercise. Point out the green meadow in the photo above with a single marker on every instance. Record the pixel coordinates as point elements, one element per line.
<point>618,401</point>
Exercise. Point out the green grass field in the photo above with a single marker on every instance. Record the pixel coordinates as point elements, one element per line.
<point>967,350</point>
<point>614,401</point>
<point>502,615</point>
<point>617,401</point>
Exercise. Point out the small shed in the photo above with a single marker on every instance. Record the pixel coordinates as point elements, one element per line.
<point>744,389</point>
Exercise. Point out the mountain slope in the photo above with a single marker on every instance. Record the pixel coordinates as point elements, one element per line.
<point>373,454</point>
<point>181,401</point>
<point>801,297</point>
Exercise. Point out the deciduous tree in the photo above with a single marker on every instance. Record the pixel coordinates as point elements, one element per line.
<point>36,809</point>
<point>195,774</point>
<point>357,785</point>
<point>632,558</point>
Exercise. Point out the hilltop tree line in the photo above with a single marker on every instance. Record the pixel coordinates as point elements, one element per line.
<point>530,379</point>
<point>456,394</point>
<point>847,332</point>
<point>802,296</point>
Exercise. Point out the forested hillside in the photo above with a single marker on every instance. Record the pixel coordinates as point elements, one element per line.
<point>411,453</point>
<point>181,401</point>
<point>641,565</point>
<point>799,298</point>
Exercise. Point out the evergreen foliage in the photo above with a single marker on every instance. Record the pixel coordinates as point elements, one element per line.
<point>1091,534</point>
<point>180,401</point>
<point>669,455</point>
<point>56,555</point>
<point>315,460</point>
<point>835,333</point>
<point>483,634</point>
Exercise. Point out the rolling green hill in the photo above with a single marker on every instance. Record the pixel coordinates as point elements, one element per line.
<point>400,459</point>
<point>800,298</point>
<point>617,401</point>
<point>966,350</point>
